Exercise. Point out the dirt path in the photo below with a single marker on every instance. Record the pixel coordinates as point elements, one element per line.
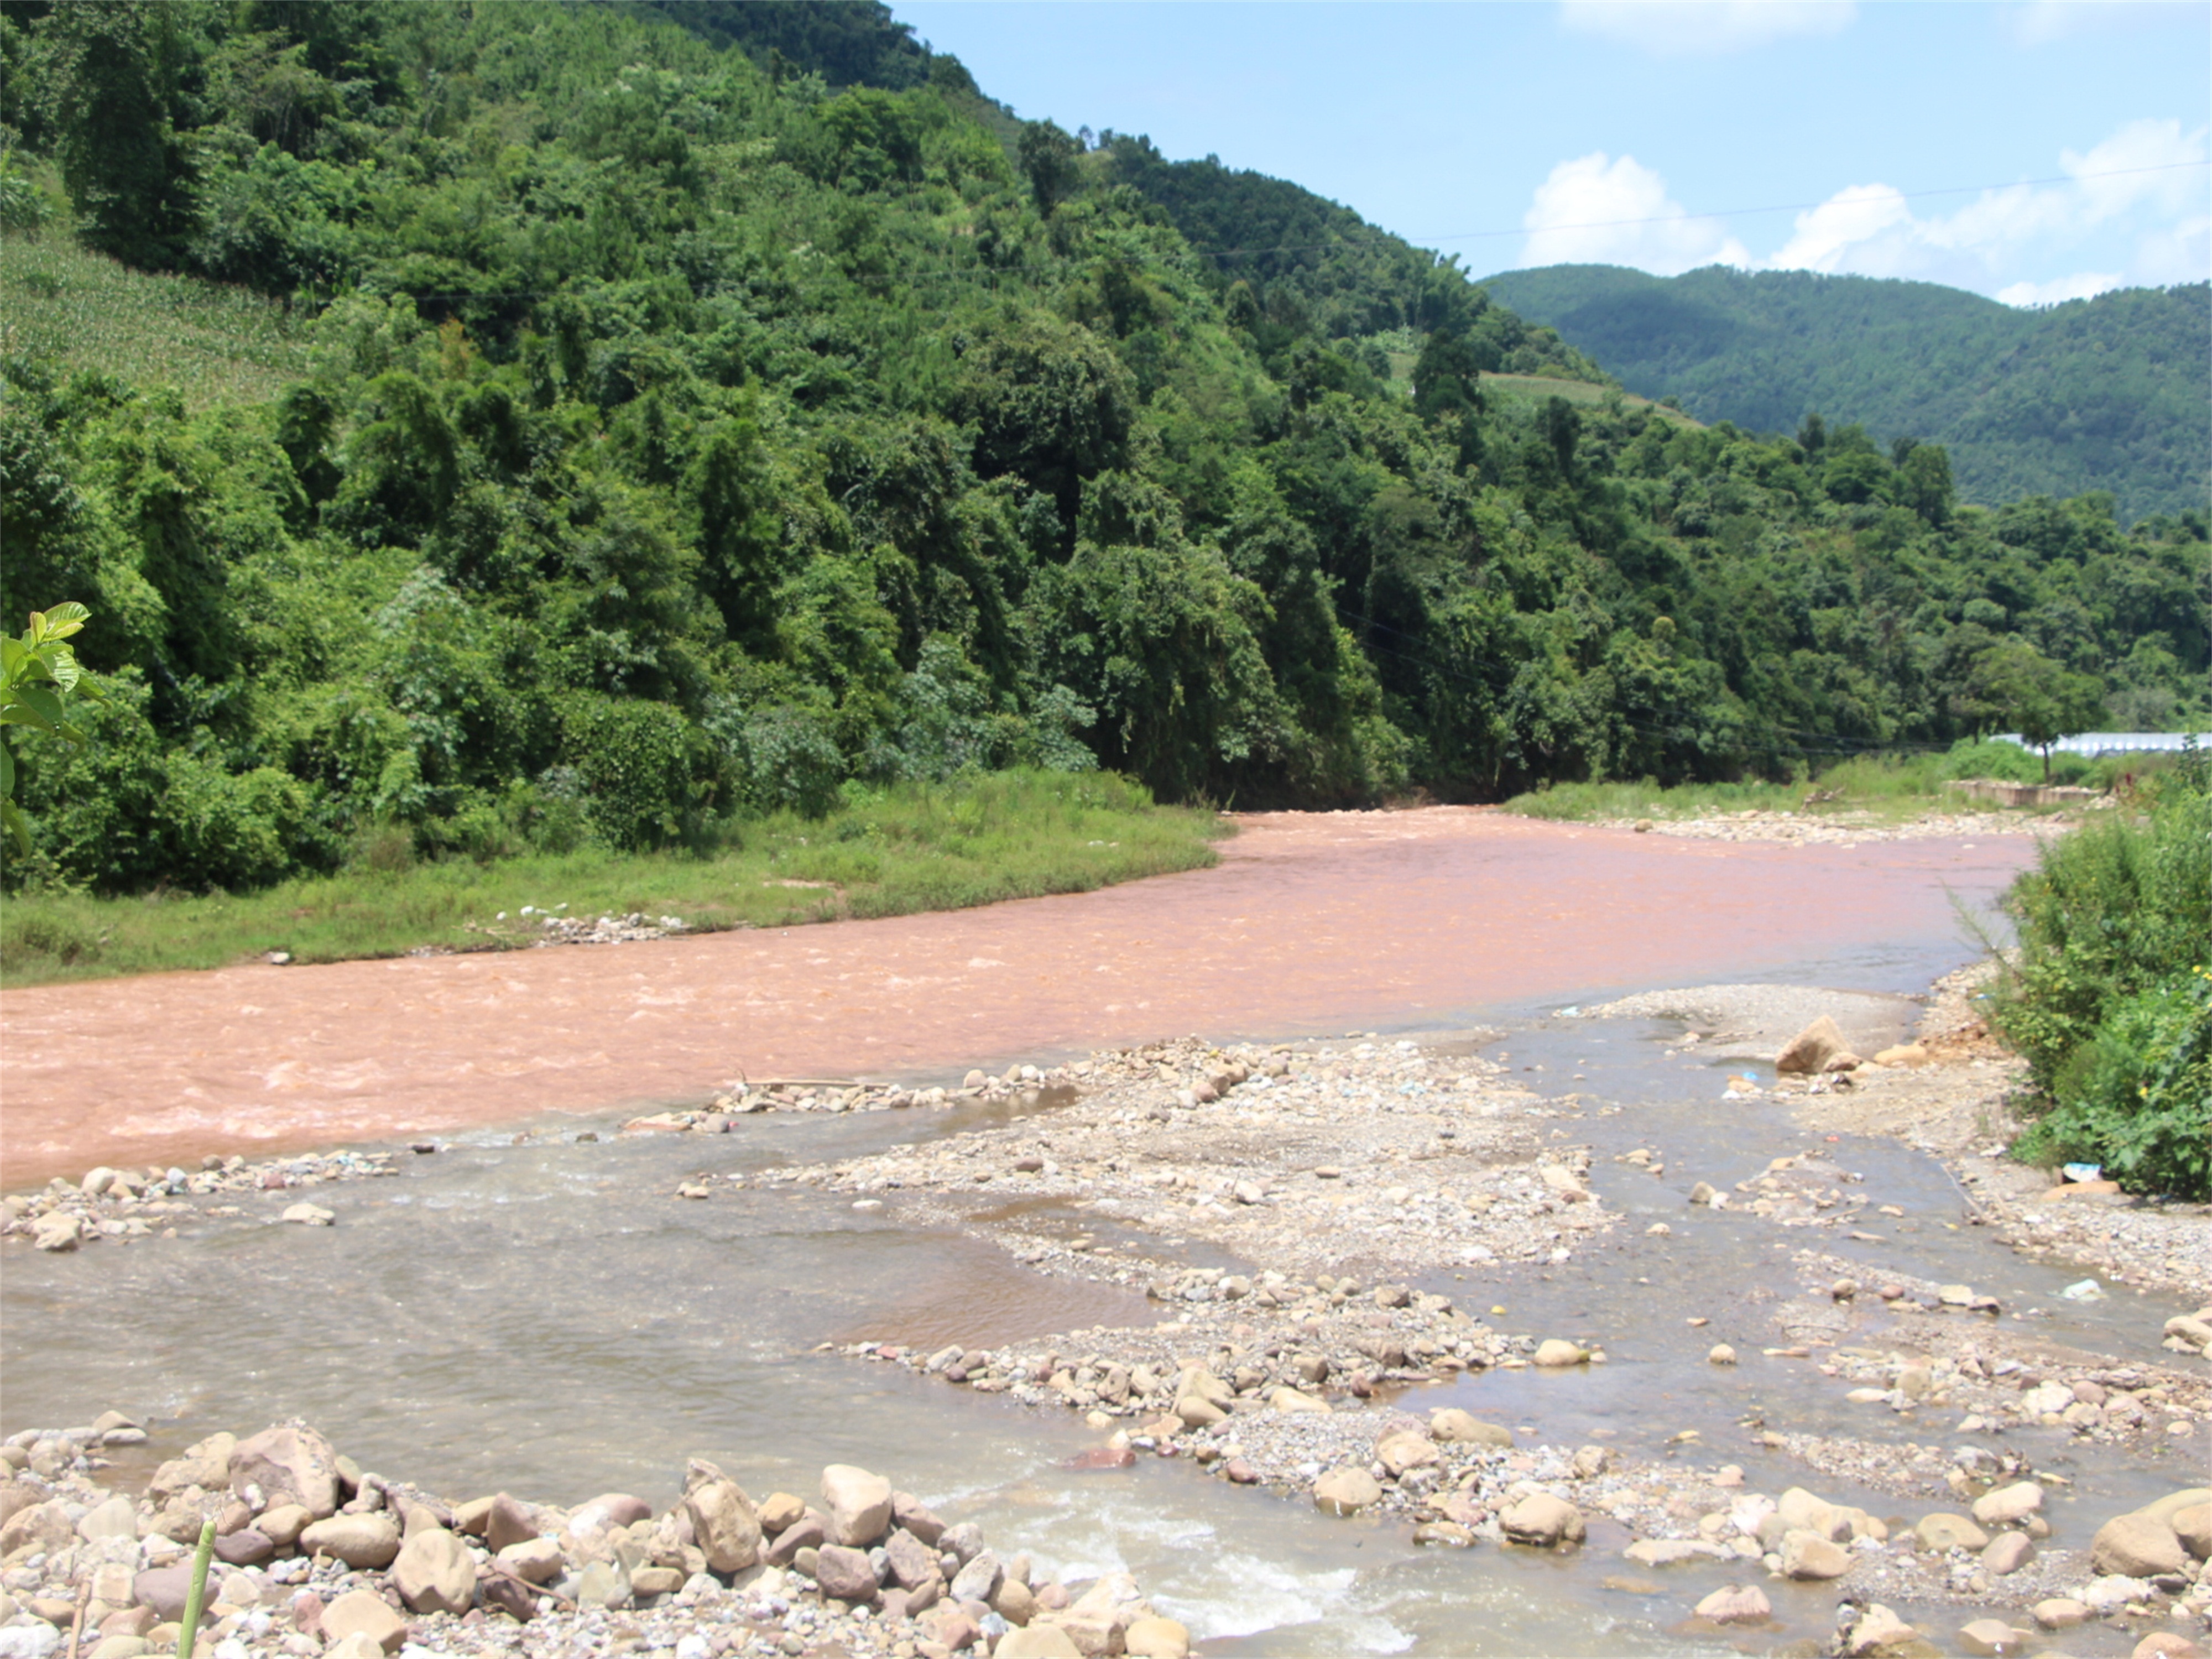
<point>1310,922</point>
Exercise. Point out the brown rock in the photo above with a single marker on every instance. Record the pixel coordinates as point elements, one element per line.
<point>1736,1604</point>
<point>724,1523</point>
<point>46,1525</point>
<point>1450,1424</point>
<point>534,1560</point>
<point>1878,1628</point>
<point>2008,1506</point>
<point>1155,1637</point>
<point>205,1464</point>
<point>912,1515</point>
<point>507,1522</point>
<point>860,1504</point>
<point>1346,1490</point>
<point>806,1533</point>
<point>1544,1521</point>
<point>780,1509</point>
<point>247,1547</point>
<point>163,1590</point>
<point>1940,1532</point>
<point>2192,1525</point>
<point>1812,1048</point>
<point>359,1541</point>
<point>1807,1554</point>
<point>1991,1635</point>
<point>913,1563</point>
<point>2136,1547</point>
<point>1037,1642</point>
<point>291,1464</point>
<point>844,1573</point>
<point>2009,1552</point>
<point>2166,1644</point>
<point>434,1572</point>
<point>610,1512</point>
<point>284,1523</point>
<point>2061,1613</point>
<point>360,1613</point>
<point>1407,1449</point>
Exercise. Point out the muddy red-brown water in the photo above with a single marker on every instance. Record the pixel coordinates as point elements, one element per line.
<point>1312,922</point>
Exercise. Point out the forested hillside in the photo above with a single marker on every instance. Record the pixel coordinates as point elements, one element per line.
<point>651,436</point>
<point>2107,393</point>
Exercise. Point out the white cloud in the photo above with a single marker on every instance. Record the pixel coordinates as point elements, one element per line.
<point>1853,217</point>
<point>2149,172</point>
<point>2136,199</point>
<point>1685,28</point>
<point>2040,23</point>
<point>1597,210</point>
<point>2060,290</point>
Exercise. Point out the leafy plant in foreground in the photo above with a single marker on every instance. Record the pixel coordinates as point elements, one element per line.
<point>39,676</point>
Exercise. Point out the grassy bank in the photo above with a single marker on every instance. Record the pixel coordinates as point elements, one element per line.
<point>1888,787</point>
<point>1012,834</point>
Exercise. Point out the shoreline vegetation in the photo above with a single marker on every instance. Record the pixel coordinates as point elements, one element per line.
<point>882,853</point>
<point>1885,789</point>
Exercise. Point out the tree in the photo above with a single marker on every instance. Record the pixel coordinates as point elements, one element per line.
<point>39,679</point>
<point>1047,156</point>
<point>2042,700</point>
<point>118,65</point>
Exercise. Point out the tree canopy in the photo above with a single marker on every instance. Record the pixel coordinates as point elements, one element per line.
<point>679,437</point>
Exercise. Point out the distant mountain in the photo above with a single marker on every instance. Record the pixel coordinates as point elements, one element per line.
<point>2108,393</point>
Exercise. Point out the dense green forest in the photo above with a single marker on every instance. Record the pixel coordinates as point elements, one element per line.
<point>653,433</point>
<point>2106,394</point>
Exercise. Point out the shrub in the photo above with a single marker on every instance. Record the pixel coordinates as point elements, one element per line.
<point>2112,952</point>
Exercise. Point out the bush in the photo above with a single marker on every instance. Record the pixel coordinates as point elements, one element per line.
<point>2112,955</point>
<point>2137,1096</point>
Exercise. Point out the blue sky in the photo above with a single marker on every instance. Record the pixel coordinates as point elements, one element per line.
<point>1518,134</point>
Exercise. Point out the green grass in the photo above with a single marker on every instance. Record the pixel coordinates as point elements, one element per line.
<point>1887,787</point>
<point>1012,834</point>
<point>1582,393</point>
<point>79,310</point>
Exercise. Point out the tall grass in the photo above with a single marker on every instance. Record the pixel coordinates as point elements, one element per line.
<point>78,310</point>
<point>913,848</point>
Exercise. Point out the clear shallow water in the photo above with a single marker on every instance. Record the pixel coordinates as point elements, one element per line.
<point>546,1317</point>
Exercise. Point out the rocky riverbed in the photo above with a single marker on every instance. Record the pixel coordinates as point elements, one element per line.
<point>1313,1225</point>
<point>316,1556</point>
<point>1811,827</point>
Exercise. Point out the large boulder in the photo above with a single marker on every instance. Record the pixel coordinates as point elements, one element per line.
<point>1812,1048</point>
<point>860,1505</point>
<point>533,1560</point>
<point>724,1523</point>
<point>1037,1642</point>
<point>2139,1545</point>
<point>289,1463</point>
<point>434,1572</point>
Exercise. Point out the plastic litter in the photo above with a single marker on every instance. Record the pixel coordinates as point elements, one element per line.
<point>2084,1171</point>
<point>2087,1289</point>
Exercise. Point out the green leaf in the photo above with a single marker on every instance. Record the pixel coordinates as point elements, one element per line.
<point>17,827</point>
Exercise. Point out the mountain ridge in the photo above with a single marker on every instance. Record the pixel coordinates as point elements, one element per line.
<point>2101,393</point>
